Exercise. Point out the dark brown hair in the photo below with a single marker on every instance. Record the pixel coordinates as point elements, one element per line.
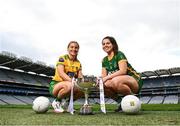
<point>113,42</point>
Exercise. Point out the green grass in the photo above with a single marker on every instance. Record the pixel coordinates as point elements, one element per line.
<point>150,115</point>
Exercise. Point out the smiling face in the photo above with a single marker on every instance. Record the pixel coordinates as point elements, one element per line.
<point>107,46</point>
<point>73,48</point>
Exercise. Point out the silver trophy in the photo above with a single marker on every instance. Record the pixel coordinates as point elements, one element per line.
<point>86,85</point>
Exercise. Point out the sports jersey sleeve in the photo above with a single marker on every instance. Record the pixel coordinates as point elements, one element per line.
<point>121,56</point>
<point>61,61</point>
<point>103,62</point>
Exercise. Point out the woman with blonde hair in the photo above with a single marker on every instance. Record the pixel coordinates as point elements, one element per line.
<point>67,67</point>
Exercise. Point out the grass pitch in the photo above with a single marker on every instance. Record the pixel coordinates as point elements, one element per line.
<point>150,115</point>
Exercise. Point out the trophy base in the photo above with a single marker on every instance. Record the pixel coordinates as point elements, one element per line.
<point>86,110</point>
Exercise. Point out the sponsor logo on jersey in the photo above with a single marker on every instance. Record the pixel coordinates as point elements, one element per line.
<point>61,60</point>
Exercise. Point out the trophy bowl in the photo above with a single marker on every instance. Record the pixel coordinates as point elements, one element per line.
<point>86,85</point>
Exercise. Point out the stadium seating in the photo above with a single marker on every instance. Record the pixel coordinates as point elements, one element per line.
<point>22,80</point>
<point>10,99</point>
<point>145,99</point>
<point>156,100</point>
<point>172,99</point>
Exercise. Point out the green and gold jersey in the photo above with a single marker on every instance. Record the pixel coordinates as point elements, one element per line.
<point>112,65</point>
<point>71,68</point>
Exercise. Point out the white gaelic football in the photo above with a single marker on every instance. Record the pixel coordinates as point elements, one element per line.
<point>131,104</point>
<point>41,104</point>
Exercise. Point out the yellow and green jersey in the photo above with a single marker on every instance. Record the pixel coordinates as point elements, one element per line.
<point>71,68</point>
<point>112,65</point>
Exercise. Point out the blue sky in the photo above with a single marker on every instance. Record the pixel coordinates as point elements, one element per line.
<point>147,31</point>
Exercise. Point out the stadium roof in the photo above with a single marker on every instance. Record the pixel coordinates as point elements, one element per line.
<point>161,72</point>
<point>11,61</point>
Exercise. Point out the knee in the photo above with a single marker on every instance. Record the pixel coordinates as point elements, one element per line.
<point>126,92</point>
<point>123,89</point>
<point>54,93</point>
<point>61,89</point>
<point>135,87</point>
<point>66,88</point>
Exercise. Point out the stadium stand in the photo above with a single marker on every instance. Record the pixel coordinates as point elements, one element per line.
<point>161,86</point>
<point>22,80</point>
<point>172,99</point>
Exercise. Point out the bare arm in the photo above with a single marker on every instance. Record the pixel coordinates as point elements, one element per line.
<point>122,71</point>
<point>80,75</point>
<point>62,74</point>
<point>104,75</point>
<point>104,72</point>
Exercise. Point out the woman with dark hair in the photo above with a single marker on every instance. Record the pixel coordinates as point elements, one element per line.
<point>119,77</point>
<point>67,67</point>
